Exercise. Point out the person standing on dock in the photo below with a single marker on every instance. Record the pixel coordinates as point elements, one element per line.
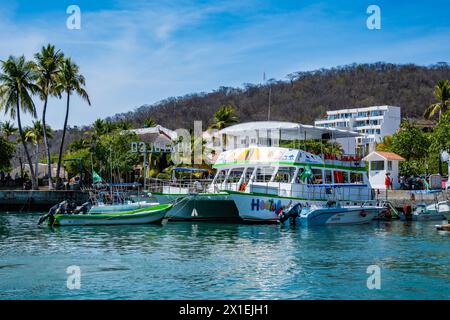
<point>388,181</point>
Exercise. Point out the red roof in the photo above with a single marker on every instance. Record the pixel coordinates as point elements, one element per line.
<point>389,155</point>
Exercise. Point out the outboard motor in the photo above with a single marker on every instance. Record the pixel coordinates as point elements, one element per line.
<point>84,208</point>
<point>290,213</point>
<point>55,209</point>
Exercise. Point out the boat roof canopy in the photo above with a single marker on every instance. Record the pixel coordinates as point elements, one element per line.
<point>288,130</point>
<point>266,156</point>
<point>180,169</point>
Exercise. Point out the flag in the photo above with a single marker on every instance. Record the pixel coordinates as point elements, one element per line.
<point>96,178</point>
<point>306,174</point>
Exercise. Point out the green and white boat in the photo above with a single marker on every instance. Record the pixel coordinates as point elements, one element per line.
<point>263,181</point>
<point>195,199</point>
<point>145,215</point>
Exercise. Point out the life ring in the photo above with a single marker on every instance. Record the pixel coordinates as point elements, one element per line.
<point>242,187</point>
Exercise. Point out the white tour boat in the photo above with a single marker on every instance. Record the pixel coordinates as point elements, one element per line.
<point>263,181</point>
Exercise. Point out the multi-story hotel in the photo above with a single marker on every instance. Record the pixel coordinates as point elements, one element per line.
<point>373,122</point>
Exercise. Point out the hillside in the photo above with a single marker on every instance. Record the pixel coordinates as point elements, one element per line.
<point>305,96</point>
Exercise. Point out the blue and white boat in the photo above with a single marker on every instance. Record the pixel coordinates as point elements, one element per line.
<point>433,212</point>
<point>332,213</point>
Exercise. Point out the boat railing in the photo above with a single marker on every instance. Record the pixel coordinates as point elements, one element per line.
<point>178,186</point>
<point>354,194</point>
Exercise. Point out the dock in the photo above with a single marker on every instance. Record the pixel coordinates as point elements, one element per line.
<point>399,198</point>
<point>38,200</point>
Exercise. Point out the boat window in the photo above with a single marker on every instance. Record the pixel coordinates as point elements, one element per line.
<point>264,174</point>
<point>298,178</point>
<point>317,176</point>
<point>235,175</point>
<point>220,178</point>
<point>285,174</point>
<point>356,177</point>
<point>328,176</point>
<point>248,174</point>
<point>340,177</point>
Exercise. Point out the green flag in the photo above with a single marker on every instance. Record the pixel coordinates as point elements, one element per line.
<point>96,178</point>
<point>306,174</point>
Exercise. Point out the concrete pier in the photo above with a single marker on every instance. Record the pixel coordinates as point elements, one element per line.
<point>399,198</point>
<point>37,200</point>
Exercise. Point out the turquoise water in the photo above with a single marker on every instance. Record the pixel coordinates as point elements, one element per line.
<point>181,260</point>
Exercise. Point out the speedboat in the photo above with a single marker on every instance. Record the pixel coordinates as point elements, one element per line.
<point>436,211</point>
<point>63,215</point>
<point>332,213</point>
<point>127,206</point>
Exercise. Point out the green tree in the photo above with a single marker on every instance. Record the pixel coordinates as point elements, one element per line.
<point>440,138</point>
<point>35,135</point>
<point>8,129</point>
<point>48,65</point>
<point>7,149</point>
<point>442,94</point>
<point>16,89</point>
<point>224,117</point>
<point>71,82</point>
<point>410,142</point>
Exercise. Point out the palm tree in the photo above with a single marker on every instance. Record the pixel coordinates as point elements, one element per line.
<point>149,123</point>
<point>48,65</point>
<point>8,129</point>
<point>35,135</point>
<point>16,88</point>
<point>442,94</point>
<point>385,145</point>
<point>224,117</point>
<point>70,81</point>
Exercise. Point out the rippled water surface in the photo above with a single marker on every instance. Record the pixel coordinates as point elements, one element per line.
<point>181,260</point>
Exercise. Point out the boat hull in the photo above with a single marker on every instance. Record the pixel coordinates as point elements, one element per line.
<point>339,216</point>
<point>434,212</point>
<point>264,208</point>
<point>153,214</point>
<point>200,207</point>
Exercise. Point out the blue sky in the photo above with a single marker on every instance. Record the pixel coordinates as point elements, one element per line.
<point>139,52</point>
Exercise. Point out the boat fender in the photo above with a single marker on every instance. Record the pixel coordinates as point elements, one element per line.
<point>363,213</point>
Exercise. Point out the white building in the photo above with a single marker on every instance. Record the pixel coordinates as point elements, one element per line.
<point>380,163</point>
<point>373,122</point>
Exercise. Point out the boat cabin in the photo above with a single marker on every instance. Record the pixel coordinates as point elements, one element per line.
<point>291,173</point>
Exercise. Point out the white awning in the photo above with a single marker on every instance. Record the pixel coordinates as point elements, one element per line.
<point>287,131</point>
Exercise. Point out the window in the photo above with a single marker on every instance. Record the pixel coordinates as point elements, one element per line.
<point>340,177</point>
<point>377,165</point>
<point>390,165</point>
<point>235,175</point>
<point>248,174</point>
<point>264,174</point>
<point>220,177</point>
<point>328,176</point>
<point>356,177</point>
<point>285,174</point>
<point>317,176</point>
